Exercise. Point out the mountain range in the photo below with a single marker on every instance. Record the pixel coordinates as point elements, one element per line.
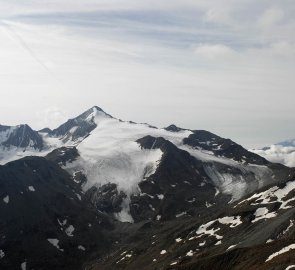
<point>99,193</point>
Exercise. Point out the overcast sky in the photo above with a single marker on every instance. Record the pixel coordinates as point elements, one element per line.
<point>227,66</point>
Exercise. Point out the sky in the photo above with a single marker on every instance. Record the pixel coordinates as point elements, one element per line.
<point>226,66</point>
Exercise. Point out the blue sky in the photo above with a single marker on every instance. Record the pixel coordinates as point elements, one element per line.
<point>226,66</point>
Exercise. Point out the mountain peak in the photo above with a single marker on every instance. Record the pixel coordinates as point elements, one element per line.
<point>78,128</point>
<point>92,112</point>
<point>173,128</point>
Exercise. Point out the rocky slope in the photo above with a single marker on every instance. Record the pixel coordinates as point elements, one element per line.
<point>21,136</point>
<point>44,222</point>
<point>254,233</point>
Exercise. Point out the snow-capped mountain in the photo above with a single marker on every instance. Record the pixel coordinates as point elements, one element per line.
<point>116,194</point>
<point>19,141</point>
<point>21,136</point>
<point>132,158</point>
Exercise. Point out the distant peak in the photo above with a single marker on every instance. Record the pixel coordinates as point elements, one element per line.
<point>94,110</point>
<point>173,128</point>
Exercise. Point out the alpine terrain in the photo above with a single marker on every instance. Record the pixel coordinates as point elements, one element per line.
<point>101,193</point>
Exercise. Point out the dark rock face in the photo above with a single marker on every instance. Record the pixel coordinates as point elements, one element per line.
<point>79,127</point>
<point>106,198</point>
<point>223,147</point>
<point>173,128</point>
<point>179,187</point>
<point>43,221</point>
<point>21,136</point>
<point>63,155</point>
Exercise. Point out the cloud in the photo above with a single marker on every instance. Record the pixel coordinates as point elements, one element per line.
<point>51,116</point>
<point>214,51</point>
<point>218,15</point>
<point>271,17</point>
<point>279,154</point>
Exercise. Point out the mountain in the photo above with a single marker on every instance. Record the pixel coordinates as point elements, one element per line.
<point>147,171</point>
<point>21,136</point>
<point>19,141</point>
<point>156,198</point>
<point>287,143</point>
<point>128,156</point>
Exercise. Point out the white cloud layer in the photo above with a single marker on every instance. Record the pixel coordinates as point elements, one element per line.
<point>225,66</point>
<point>279,154</point>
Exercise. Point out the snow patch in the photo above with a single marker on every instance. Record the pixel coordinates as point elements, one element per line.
<point>202,244</point>
<point>160,196</point>
<point>273,195</point>
<point>178,240</point>
<point>289,227</point>
<point>31,188</point>
<point>283,250</point>
<point>6,199</point>
<point>69,231</point>
<point>62,223</point>
<point>23,266</point>
<point>55,242</point>
<point>190,253</point>
<point>180,215</point>
<point>203,230</point>
<point>231,247</point>
<point>208,205</point>
<point>262,213</point>
<point>232,221</point>
<point>81,248</point>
